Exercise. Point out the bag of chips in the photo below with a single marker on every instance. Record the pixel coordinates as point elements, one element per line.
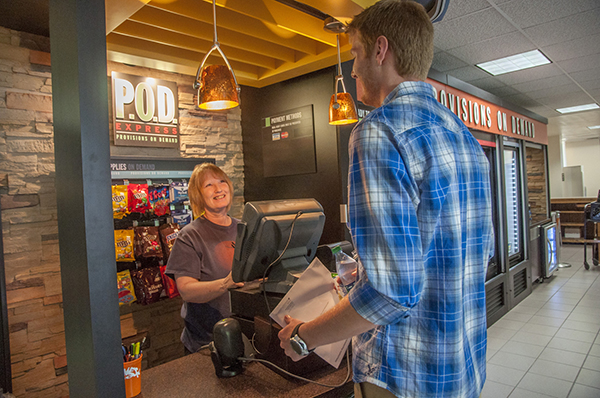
<point>119,201</point>
<point>124,245</point>
<point>137,198</point>
<point>148,285</point>
<point>178,192</point>
<point>147,242</point>
<point>169,284</point>
<point>159,199</point>
<point>125,288</point>
<point>168,233</point>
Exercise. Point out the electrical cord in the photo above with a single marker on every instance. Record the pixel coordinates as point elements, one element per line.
<point>266,273</point>
<point>300,377</point>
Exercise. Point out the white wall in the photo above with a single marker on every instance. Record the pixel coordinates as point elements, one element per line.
<point>555,167</point>
<point>587,154</point>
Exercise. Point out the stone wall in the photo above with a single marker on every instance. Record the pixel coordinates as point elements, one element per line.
<point>29,216</point>
<point>536,184</point>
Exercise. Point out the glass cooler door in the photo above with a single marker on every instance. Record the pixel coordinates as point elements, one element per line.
<point>512,186</point>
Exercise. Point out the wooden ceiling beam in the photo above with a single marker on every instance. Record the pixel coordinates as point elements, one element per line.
<point>202,46</point>
<point>237,22</point>
<point>157,51</point>
<point>202,30</point>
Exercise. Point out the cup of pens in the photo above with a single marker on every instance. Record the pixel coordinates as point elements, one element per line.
<point>132,368</point>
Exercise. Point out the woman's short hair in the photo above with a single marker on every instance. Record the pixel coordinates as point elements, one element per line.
<point>408,29</point>
<point>200,173</point>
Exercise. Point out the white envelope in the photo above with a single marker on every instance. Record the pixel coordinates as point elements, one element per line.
<point>312,295</point>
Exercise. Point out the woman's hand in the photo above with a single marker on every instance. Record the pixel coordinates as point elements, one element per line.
<point>228,283</point>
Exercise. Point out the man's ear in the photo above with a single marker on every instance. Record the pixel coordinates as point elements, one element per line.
<point>381,49</point>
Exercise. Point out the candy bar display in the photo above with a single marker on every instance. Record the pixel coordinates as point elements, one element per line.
<point>119,201</point>
<point>137,197</point>
<point>148,285</point>
<point>168,233</point>
<point>124,245</point>
<point>169,285</point>
<point>182,217</point>
<point>159,199</point>
<point>147,242</point>
<point>178,192</point>
<point>125,288</point>
<point>147,218</point>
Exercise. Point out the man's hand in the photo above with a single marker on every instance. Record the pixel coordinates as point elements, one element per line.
<point>284,337</point>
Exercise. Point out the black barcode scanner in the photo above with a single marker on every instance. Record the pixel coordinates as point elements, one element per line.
<point>227,346</point>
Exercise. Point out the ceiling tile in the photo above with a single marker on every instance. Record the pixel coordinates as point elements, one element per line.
<point>471,28</point>
<point>459,8</point>
<point>580,64</point>
<point>584,76</point>
<point>565,29</point>
<point>574,48</point>
<point>442,62</point>
<point>494,48</point>
<point>531,74</point>
<point>566,100</point>
<point>555,91</point>
<point>534,12</point>
<point>540,84</point>
<point>488,83</point>
<point>468,73</point>
<point>522,100</point>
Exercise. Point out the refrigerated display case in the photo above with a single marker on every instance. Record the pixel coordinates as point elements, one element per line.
<point>513,201</point>
<point>549,249</point>
<point>494,267</point>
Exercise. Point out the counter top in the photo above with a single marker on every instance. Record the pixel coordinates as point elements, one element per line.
<point>194,376</point>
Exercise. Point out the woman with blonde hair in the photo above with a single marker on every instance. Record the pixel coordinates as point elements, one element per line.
<point>201,259</point>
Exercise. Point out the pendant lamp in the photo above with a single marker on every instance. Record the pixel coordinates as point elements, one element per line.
<point>216,84</point>
<point>342,109</point>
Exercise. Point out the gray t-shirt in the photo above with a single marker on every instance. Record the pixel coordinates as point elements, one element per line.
<point>204,251</point>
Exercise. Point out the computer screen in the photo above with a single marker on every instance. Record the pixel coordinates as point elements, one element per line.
<point>274,238</point>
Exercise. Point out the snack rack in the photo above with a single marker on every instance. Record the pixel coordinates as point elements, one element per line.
<point>148,172</point>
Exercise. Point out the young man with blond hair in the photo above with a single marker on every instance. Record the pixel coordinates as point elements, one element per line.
<point>420,219</point>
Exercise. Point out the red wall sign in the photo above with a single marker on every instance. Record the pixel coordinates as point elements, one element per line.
<point>481,115</point>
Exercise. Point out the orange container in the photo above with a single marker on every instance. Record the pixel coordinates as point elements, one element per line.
<point>133,377</point>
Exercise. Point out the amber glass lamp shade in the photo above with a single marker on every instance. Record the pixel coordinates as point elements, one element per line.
<point>342,111</point>
<point>217,88</point>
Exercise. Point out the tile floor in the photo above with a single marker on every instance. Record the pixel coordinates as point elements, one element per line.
<point>549,344</point>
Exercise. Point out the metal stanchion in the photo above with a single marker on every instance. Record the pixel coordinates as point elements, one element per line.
<point>556,218</point>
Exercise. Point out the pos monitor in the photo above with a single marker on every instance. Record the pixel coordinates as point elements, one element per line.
<point>275,239</point>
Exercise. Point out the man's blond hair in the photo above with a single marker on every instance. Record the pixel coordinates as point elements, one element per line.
<point>408,29</point>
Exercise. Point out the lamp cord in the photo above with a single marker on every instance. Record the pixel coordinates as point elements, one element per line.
<point>215,21</point>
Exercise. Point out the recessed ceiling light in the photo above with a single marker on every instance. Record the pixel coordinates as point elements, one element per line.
<point>578,108</point>
<point>513,63</point>
<point>594,127</point>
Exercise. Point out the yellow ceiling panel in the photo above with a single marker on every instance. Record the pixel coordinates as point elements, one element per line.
<point>266,41</point>
<point>157,35</point>
<point>202,30</point>
<point>238,23</point>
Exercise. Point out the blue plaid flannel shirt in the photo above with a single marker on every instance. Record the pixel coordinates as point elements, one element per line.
<point>420,219</point>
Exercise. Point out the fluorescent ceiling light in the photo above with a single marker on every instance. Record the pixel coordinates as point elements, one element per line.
<point>594,127</point>
<point>579,108</point>
<point>514,62</point>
